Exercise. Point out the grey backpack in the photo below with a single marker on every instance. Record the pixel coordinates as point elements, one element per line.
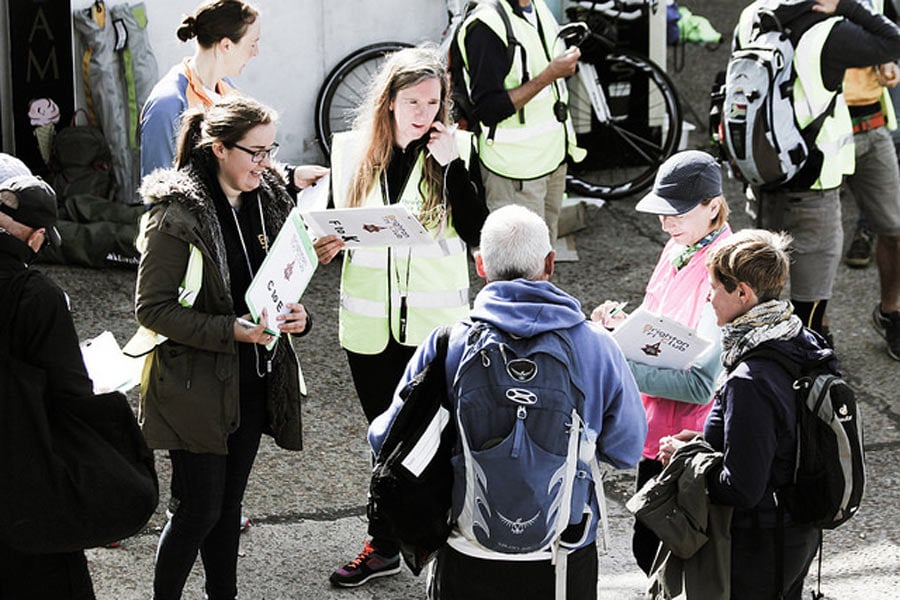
<point>759,133</point>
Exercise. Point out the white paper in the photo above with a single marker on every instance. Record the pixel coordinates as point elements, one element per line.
<point>659,341</point>
<point>108,368</point>
<point>369,226</point>
<point>284,274</point>
<point>427,445</point>
<point>315,197</point>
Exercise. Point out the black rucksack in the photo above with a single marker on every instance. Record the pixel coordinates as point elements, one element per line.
<point>412,479</point>
<point>462,106</point>
<point>830,474</point>
<point>81,162</point>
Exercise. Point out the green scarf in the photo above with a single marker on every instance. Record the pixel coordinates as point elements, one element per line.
<point>684,257</point>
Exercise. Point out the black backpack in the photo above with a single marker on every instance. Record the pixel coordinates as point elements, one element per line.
<point>462,105</point>
<point>830,475</point>
<point>412,480</point>
<point>81,162</point>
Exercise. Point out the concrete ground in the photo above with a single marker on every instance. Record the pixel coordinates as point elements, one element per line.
<point>307,507</point>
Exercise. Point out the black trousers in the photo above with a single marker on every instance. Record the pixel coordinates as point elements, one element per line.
<point>753,555</point>
<point>644,542</point>
<point>375,377</point>
<point>62,576</point>
<point>461,577</point>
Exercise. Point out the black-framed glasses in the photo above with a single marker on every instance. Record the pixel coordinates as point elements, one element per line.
<point>257,156</point>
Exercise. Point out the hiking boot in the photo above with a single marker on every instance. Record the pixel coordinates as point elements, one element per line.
<point>859,255</point>
<point>888,327</point>
<point>367,565</point>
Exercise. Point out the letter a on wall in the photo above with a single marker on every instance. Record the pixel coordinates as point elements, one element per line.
<point>43,89</point>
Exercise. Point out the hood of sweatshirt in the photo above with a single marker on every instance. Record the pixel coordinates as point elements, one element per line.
<point>526,308</point>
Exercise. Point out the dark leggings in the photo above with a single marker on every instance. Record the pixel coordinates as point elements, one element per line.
<point>211,490</point>
<point>375,377</point>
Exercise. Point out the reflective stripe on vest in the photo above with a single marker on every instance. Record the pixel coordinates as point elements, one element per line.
<point>530,143</point>
<point>145,340</point>
<point>811,98</point>
<point>433,279</point>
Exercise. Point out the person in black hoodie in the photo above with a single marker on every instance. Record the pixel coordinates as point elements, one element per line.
<point>42,334</point>
<point>753,419</point>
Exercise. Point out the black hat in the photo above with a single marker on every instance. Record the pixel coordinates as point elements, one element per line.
<point>35,204</point>
<point>682,182</point>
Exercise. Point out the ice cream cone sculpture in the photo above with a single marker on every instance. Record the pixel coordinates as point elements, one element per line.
<point>44,115</point>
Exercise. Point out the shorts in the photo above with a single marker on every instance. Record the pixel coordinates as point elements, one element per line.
<point>813,218</point>
<point>876,182</point>
<point>543,196</point>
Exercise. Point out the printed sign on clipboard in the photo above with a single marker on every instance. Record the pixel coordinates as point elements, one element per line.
<point>659,341</point>
<point>284,274</point>
<point>369,226</point>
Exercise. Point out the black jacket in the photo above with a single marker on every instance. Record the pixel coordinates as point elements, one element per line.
<point>42,332</point>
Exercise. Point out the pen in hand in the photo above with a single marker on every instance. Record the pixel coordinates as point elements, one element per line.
<point>618,309</point>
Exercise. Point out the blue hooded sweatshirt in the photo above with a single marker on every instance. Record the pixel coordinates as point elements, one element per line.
<point>613,412</point>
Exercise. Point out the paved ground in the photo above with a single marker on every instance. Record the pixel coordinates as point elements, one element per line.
<point>307,506</point>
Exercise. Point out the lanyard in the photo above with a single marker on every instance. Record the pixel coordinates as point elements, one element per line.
<point>393,267</point>
<point>264,241</point>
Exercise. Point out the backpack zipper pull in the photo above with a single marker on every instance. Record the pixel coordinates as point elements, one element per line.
<point>521,414</point>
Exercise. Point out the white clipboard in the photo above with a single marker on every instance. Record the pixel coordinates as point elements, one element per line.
<point>659,341</point>
<point>284,273</point>
<point>369,226</point>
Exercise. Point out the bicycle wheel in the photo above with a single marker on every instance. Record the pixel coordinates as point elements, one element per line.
<point>345,89</point>
<point>644,128</point>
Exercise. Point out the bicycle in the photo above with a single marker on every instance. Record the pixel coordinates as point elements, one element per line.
<point>624,107</point>
<point>345,87</point>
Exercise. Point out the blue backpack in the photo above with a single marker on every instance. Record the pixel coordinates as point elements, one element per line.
<point>523,464</point>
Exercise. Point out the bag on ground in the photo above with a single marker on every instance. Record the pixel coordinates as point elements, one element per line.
<point>80,162</point>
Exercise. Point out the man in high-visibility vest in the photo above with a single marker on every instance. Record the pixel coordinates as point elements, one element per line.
<point>519,97</point>
<point>829,37</point>
<point>876,182</point>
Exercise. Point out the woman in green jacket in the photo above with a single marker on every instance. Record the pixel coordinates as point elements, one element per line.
<point>213,388</point>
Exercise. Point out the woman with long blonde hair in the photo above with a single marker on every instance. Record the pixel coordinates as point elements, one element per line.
<point>401,149</point>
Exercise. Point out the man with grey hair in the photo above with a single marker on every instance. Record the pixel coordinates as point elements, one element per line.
<point>520,303</point>
<point>40,333</point>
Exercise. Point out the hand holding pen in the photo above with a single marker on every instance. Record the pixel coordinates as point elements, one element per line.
<point>610,314</point>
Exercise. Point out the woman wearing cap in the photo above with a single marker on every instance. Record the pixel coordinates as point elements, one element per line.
<point>217,384</point>
<point>687,196</point>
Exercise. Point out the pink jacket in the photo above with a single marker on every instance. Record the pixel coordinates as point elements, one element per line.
<point>679,295</point>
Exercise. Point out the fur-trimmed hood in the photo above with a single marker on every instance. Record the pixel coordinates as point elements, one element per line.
<point>181,202</point>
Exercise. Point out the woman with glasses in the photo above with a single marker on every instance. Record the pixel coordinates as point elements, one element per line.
<point>227,34</point>
<point>218,382</point>
<point>401,149</point>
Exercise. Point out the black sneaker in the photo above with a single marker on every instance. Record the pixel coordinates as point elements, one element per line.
<point>859,255</point>
<point>888,327</point>
<point>367,565</point>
